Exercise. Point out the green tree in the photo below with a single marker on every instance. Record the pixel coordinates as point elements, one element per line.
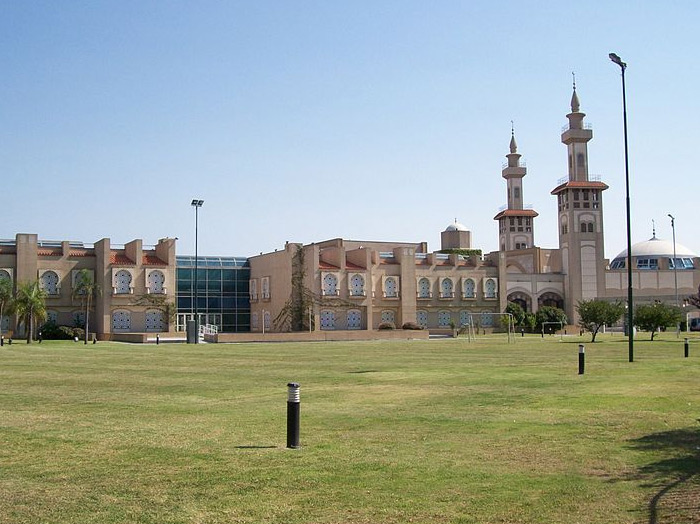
<point>517,311</point>
<point>30,307</point>
<point>86,289</point>
<point>651,317</point>
<point>530,321</point>
<point>5,297</point>
<point>594,314</point>
<point>549,314</point>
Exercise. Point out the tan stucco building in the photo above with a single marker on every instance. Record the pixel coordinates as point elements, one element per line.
<point>136,283</point>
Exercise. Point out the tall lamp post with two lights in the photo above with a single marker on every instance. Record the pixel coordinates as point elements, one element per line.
<point>630,307</point>
<point>196,204</point>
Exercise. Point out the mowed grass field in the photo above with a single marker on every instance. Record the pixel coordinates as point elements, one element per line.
<point>443,431</point>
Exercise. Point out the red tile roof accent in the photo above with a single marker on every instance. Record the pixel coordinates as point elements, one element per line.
<point>117,259</point>
<point>327,266</point>
<point>579,184</point>
<point>152,260</point>
<point>516,213</point>
<point>81,253</point>
<point>350,265</point>
<point>48,252</point>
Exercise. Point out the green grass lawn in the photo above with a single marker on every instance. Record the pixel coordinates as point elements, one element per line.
<point>391,432</point>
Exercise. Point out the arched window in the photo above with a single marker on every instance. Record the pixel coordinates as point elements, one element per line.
<point>444,319</point>
<point>155,320</point>
<point>486,319</point>
<point>327,319</point>
<point>584,227</point>
<point>254,323</point>
<point>49,282</point>
<point>464,318</point>
<point>469,288</point>
<point>52,316</point>
<point>357,286</point>
<point>354,319</point>
<point>121,320</point>
<point>4,274</point>
<point>424,288</point>
<point>590,227</point>
<point>391,287</point>
<point>446,288</point>
<point>388,317</point>
<point>267,320</point>
<point>156,282</point>
<point>330,284</point>
<point>490,288</point>
<point>122,282</point>
<point>79,319</point>
<point>422,318</point>
<point>580,160</point>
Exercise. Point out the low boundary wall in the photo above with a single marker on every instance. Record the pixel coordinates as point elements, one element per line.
<point>320,336</point>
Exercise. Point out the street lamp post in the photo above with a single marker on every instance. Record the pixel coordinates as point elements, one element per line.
<point>196,203</point>
<point>630,310</point>
<point>675,261</point>
<point>675,268</point>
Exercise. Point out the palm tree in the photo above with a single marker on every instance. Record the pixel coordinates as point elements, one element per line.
<point>85,288</point>
<point>29,306</point>
<point>5,297</point>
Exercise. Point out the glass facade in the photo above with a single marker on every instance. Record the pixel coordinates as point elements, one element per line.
<point>222,292</point>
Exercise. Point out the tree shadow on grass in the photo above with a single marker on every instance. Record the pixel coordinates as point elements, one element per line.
<point>676,475</point>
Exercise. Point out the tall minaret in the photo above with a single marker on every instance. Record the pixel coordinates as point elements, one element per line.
<point>516,225</point>
<point>580,205</point>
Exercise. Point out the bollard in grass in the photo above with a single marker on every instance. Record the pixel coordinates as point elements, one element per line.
<point>581,359</point>
<point>686,348</point>
<point>293,409</point>
<point>2,341</point>
<point>157,339</point>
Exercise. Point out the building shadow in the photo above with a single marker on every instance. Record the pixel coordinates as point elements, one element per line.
<point>676,476</point>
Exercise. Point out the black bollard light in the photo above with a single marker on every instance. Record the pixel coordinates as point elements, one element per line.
<point>293,409</point>
<point>157,339</point>
<point>2,341</point>
<point>40,337</point>
<point>9,341</point>
<point>686,348</point>
<point>581,358</point>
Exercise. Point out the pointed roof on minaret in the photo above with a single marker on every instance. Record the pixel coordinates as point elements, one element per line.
<point>575,104</point>
<point>513,145</point>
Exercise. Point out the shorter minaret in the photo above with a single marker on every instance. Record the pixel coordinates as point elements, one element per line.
<point>516,225</point>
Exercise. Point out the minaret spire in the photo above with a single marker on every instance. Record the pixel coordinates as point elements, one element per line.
<point>575,104</point>
<point>516,224</point>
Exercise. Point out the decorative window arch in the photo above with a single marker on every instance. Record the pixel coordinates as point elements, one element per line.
<point>391,287</point>
<point>254,322</point>
<point>486,319</point>
<point>422,318</point>
<point>446,288</point>
<point>388,316</point>
<point>330,284</point>
<point>253,288</point>
<point>357,285</point>
<point>78,319</point>
<point>327,319</point>
<point>49,282</point>
<point>156,282</point>
<point>469,288</point>
<point>155,320</point>
<point>354,319</point>
<point>267,320</point>
<point>121,320</point>
<point>564,225</point>
<point>490,285</point>
<point>464,318</point>
<point>424,288</point>
<point>122,282</point>
<point>265,288</point>
<point>5,274</point>
<point>52,316</point>
<point>444,319</point>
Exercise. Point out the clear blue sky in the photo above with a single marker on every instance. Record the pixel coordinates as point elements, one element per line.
<point>309,120</point>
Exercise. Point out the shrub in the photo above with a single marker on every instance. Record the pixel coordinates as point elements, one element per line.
<point>387,325</point>
<point>412,325</point>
